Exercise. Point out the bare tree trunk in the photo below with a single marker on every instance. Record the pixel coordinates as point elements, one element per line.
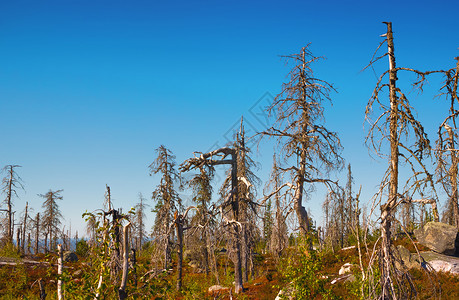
<point>24,226</point>
<point>122,290</point>
<point>42,289</point>
<point>453,177</point>
<point>8,202</point>
<point>60,266</point>
<point>101,275</point>
<point>18,239</point>
<point>179,228</point>
<point>29,244</point>
<point>37,232</point>
<point>388,208</point>
<point>235,206</point>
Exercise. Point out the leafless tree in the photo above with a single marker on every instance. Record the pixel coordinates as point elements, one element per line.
<point>248,208</point>
<point>339,208</point>
<point>204,220</point>
<point>52,216</point>
<point>11,182</point>
<point>166,198</point>
<point>446,150</point>
<point>397,126</point>
<point>229,209</point>
<point>279,237</point>
<point>310,149</point>
<point>139,221</point>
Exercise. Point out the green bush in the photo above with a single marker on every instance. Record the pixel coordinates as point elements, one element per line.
<point>302,272</point>
<point>82,248</point>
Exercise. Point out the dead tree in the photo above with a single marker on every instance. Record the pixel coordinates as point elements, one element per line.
<point>166,198</point>
<point>218,157</point>
<point>10,185</point>
<point>122,290</point>
<point>60,266</point>
<point>139,223</point>
<point>394,126</point>
<point>179,222</point>
<point>203,221</point>
<point>446,150</point>
<point>52,216</point>
<point>24,227</point>
<point>37,232</point>
<point>310,150</point>
<point>248,208</point>
<point>279,238</point>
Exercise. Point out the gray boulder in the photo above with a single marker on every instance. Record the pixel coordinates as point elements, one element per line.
<point>439,237</point>
<point>70,256</point>
<point>410,260</point>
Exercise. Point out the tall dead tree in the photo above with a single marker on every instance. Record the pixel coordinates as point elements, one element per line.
<point>230,206</point>
<point>139,221</point>
<point>397,126</point>
<point>248,213</point>
<point>37,232</point>
<point>204,221</point>
<point>166,198</point>
<point>446,150</point>
<point>180,222</point>
<point>11,182</point>
<point>311,151</point>
<point>24,227</point>
<point>279,238</point>
<point>52,216</point>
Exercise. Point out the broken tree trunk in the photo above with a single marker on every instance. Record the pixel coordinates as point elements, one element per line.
<point>122,290</point>
<point>24,227</point>
<point>208,159</point>
<point>60,266</point>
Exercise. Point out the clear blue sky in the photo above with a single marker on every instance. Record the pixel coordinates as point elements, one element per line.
<point>88,89</point>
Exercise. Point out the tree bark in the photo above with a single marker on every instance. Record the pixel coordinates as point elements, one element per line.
<point>179,230</point>
<point>122,290</point>
<point>388,208</point>
<point>37,232</point>
<point>60,265</point>
<point>24,226</point>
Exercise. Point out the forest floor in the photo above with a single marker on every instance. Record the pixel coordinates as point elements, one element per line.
<point>20,276</point>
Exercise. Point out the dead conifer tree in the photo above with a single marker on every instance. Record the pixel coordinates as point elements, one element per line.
<point>446,150</point>
<point>393,126</point>
<point>279,237</point>
<point>52,216</point>
<point>310,150</point>
<point>229,209</point>
<point>248,213</point>
<point>139,221</point>
<point>9,187</point>
<point>166,198</point>
<point>204,221</point>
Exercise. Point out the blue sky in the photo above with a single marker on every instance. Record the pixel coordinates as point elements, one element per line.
<point>88,89</point>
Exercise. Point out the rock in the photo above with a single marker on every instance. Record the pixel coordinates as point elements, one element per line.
<point>439,237</point>
<point>70,256</point>
<point>346,268</point>
<point>217,289</point>
<point>410,260</point>
<point>440,262</point>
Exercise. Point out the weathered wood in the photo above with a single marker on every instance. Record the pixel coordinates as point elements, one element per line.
<point>60,264</point>
<point>122,290</point>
